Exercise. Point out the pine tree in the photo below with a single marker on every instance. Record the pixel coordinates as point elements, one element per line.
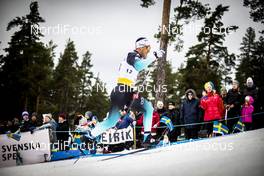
<point>98,102</point>
<point>251,58</point>
<point>86,76</point>
<point>256,10</point>
<point>26,66</point>
<point>67,80</point>
<point>209,60</point>
<point>248,47</point>
<point>45,100</point>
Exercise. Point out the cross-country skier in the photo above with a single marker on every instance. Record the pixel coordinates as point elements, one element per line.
<point>124,94</point>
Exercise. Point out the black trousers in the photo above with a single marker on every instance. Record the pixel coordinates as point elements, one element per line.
<point>173,135</point>
<point>191,133</point>
<point>123,95</point>
<point>248,126</point>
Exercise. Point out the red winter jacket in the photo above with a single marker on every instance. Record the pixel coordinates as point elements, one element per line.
<point>155,120</point>
<point>213,107</point>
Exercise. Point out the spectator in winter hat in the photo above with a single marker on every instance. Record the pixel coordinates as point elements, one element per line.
<point>212,105</point>
<point>91,119</point>
<point>26,125</point>
<point>25,116</point>
<point>190,112</point>
<point>246,113</point>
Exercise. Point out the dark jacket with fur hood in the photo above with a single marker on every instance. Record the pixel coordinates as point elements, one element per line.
<point>190,111</point>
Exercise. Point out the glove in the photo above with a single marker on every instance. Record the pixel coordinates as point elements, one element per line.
<point>134,123</point>
<point>159,53</point>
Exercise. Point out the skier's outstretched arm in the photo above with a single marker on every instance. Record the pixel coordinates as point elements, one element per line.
<point>141,64</point>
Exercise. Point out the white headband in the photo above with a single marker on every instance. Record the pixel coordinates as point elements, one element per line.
<point>142,43</point>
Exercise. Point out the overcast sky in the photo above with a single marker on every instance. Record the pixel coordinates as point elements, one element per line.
<point>108,29</point>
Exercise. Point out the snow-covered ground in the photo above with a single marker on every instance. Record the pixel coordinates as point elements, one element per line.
<point>239,154</point>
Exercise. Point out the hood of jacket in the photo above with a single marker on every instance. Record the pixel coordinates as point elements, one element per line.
<point>192,91</point>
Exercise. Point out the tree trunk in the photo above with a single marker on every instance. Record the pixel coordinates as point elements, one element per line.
<point>160,94</point>
<point>37,100</point>
<point>26,103</point>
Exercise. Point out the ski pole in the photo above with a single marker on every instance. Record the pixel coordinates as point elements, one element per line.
<point>226,116</point>
<point>164,132</point>
<point>134,137</point>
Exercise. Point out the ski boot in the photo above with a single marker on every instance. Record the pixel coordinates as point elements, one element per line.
<point>87,136</point>
<point>147,140</point>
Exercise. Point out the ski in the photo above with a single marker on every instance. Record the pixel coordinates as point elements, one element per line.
<point>130,153</point>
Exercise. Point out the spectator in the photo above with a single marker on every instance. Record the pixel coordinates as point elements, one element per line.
<point>161,111</point>
<point>16,124</point>
<point>125,120</point>
<point>12,126</point>
<point>174,115</point>
<point>49,123</point>
<point>252,90</point>
<point>233,104</point>
<point>91,119</point>
<point>63,131</point>
<point>223,92</point>
<point>123,113</point>
<point>160,108</point>
<point>213,107</point>
<point>9,126</point>
<point>190,114</point>
<point>247,111</point>
<point>34,120</point>
<point>81,122</point>
<point>155,124</point>
<point>26,125</point>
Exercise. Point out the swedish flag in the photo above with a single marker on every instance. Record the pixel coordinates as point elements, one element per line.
<point>220,128</point>
<point>240,126</point>
<point>167,121</point>
<point>16,136</point>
